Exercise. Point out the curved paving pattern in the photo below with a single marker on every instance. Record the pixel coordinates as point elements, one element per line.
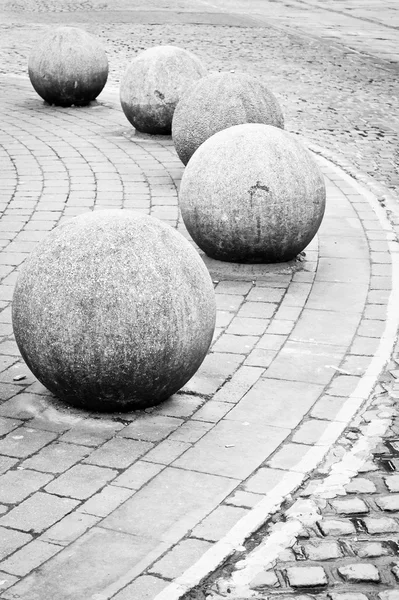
<point>296,352</point>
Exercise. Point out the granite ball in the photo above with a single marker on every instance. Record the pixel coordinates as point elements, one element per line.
<point>113,311</point>
<point>69,66</point>
<point>252,193</point>
<point>219,101</point>
<point>153,83</point>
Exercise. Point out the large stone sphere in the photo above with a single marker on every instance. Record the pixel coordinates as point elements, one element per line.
<point>113,311</point>
<point>219,101</point>
<point>69,66</point>
<point>252,193</point>
<point>153,84</point>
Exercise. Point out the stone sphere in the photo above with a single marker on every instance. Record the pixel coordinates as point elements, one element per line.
<point>113,311</point>
<point>153,84</point>
<point>252,193</point>
<point>217,102</point>
<point>69,66</point>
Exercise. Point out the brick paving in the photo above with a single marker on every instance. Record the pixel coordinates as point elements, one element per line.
<point>161,489</point>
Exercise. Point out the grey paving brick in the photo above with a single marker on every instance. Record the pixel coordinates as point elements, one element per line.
<point>381,525</point>
<point>322,550</point>
<point>336,527</point>
<point>306,577</point>
<point>350,506</point>
<point>180,558</point>
<point>81,481</point>
<point>24,441</point>
<point>118,453</point>
<point>388,503</point>
<point>38,512</point>
<point>11,540</point>
<point>145,587</point>
<point>56,458</point>
<point>360,485</point>
<point>29,557</point>
<point>69,528</point>
<point>151,429</point>
<point>359,573</point>
<point>218,523</point>
<point>15,486</point>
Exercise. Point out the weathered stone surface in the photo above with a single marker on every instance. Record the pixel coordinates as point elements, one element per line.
<point>114,310</point>
<point>69,66</point>
<point>152,86</point>
<point>392,483</point>
<point>323,550</point>
<point>217,102</point>
<point>381,525</point>
<point>359,572</point>
<point>336,527</point>
<point>349,506</point>
<point>388,503</point>
<point>252,193</point>
<point>300,577</point>
<point>360,485</point>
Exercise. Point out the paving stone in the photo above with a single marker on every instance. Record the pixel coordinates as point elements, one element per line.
<point>389,595</point>
<point>371,550</point>
<point>56,458</point>
<point>118,453</point>
<point>350,506</point>
<point>263,580</point>
<point>15,486</point>
<point>243,499</point>
<point>296,397</point>
<point>237,448</point>
<point>264,480</point>
<point>218,523</point>
<point>347,596</point>
<point>29,557</point>
<point>6,463</point>
<point>359,573</point>
<point>360,485</point>
<point>336,527</point>
<point>145,587</point>
<point>91,432</point>
<point>11,540</point>
<point>151,429</point>
<point>305,577</point>
<point>392,483</point>
<point>6,580</point>
<point>388,503</point>
<point>200,491</point>
<point>213,373</point>
<point>103,503</point>
<point>69,528</point>
<point>38,512</point>
<point>179,405</point>
<point>180,558</point>
<point>71,572</point>
<point>24,441</point>
<point>381,525</point>
<point>81,481</point>
<point>238,344</point>
<point>322,550</point>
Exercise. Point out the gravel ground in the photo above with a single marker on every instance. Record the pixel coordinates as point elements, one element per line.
<point>342,101</point>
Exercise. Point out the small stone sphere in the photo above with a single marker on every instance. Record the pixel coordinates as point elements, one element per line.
<point>113,311</point>
<point>69,66</point>
<point>153,84</point>
<point>219,101</point>
<point>252,193</point>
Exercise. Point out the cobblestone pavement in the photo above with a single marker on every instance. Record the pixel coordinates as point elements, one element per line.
<point>171,491</point>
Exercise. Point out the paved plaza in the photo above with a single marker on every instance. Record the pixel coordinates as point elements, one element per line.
<point>272,472</point>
